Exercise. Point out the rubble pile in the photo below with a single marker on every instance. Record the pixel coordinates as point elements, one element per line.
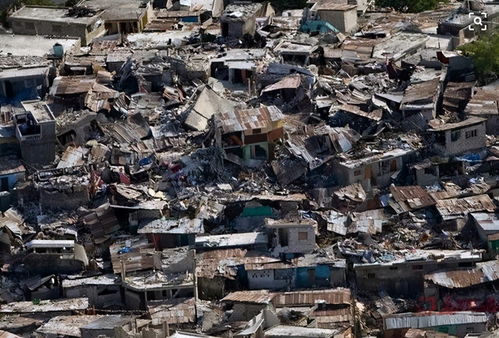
<point>222,169</point>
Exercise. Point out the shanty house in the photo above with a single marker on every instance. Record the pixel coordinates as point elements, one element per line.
<point>172,277</point>
<point>454,211</point>
<point>123,16</point>
<point>250,240</point>
<point>419,102</point>
<point>102,291</point>
<point>55,256</point>
<point>64,188</point>
<point>176,313</point>
<point>247,304</point>
<point>288,89</point>
<point>375,170</point>
<point>295,53</point>
<point>239,19</point>
<point>464,288</point>
<point>35,131</point>
<point>213,7</point>
<point>291,237</point>
<point>404,274</point>
<point>236,66</point>
<point>249,134</point>
<point>487,226</point>
<point>341,16</point>
<point>58,22</point>
<point>304,272</point>
<point>485,103</point>
<point>106,326</point>
<point>461,137</point>
<point>459,323</point>
<point>329,308</point>
<point>172,233</point>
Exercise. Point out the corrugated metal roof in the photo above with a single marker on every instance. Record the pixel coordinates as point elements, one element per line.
<point>411,197</point>
<point>248,119</point>
<point>462,278</point>
<point>432,319</point>
<point>289,82</point>
<point>422,91</point>
<point>312,297</point>
<point>461,206</point>
<point>67,85</point>
<point>250,296</point>
<point>468,122</point>
<point>173,311</point>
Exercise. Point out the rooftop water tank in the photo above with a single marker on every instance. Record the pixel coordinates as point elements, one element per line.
<point>58,50</point>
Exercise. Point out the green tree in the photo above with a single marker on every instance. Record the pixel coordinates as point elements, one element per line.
<point>485,55</point>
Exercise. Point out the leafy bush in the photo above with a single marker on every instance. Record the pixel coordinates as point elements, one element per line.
<point>485,55</point>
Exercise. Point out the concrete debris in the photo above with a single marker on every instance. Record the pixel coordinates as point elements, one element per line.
<point>210,168</point>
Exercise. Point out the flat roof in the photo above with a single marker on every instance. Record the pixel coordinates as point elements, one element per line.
<point>172,226</point>
<point>109,279</point>
<point>282,223</point>
<point>39,109</point>
<point>51,14</point>
<point>57,305</point>
<point>66,325</point>
<point>237,239</point>
<point>354,163</point>
<point>468,122</point>
<point>107,322</point>
<point>33,45</point>
<point>298,331</point>
<point>23,72</point>
<point>40,243</point>
<point>332,5</point>
<point>488,221</point>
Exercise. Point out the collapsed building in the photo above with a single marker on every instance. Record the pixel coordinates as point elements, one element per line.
<point>204,168</point>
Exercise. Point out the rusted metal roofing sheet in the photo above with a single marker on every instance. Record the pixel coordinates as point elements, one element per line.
<point>422,91</point>
<point>250,296</point>
<point>325,318</point>
<point>375,115</point>
<point>68,85</point>
<point>312,297</point>
<point>462,278</point>
<point>468,122</point>
<point>461,206</point>
<point>248,119</point>
<point>411,197</point>
<point>173,311</point>
<point>289,82</point>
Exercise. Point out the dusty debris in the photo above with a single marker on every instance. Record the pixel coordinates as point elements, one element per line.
<point>193,168</point>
